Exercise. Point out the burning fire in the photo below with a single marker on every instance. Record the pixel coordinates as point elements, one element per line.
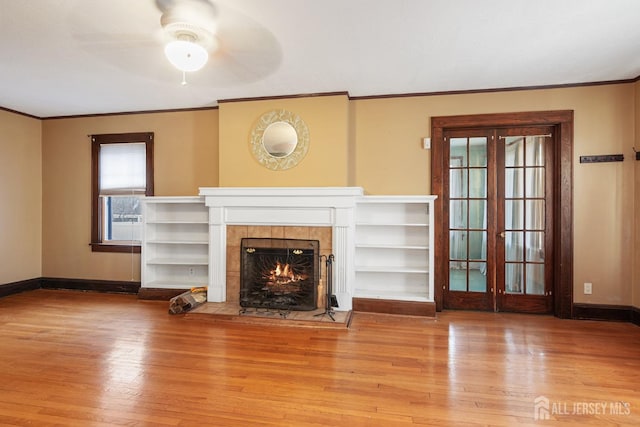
<point>283,273</point>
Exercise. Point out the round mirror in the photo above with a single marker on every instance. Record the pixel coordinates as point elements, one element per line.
<point>279,139</point>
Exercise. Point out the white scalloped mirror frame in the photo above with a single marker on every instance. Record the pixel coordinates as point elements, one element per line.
<point>276,160</point>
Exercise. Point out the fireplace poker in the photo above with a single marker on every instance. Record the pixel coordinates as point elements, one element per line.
<point>330,300</point>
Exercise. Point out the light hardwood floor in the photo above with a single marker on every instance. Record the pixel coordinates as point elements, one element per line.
<point>73,358</point>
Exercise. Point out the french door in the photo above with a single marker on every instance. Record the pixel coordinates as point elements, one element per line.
<point>497,198</point>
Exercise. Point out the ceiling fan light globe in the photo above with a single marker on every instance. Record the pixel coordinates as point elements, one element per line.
<point>186,55</point>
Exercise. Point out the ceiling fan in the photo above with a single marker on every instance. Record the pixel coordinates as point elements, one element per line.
<point>226,46</point>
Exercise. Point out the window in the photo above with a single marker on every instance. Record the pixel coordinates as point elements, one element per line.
<point>121,173</point>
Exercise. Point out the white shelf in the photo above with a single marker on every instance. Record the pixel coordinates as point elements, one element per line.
<point>175,210</point>
<point>175,243</point>
<point>391,246</point>
<point>176,221</point>
<point>179,261</point>
<point>392,269</point>
<point>394,235</point>
<point>390,224</point>
<point>176,284</point>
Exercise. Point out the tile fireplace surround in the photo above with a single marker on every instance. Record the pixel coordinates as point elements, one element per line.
<point>283,206</point>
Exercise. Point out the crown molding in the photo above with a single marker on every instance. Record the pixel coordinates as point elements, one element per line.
<point>20,113</point>
<point>503,89</point>
<point>269,98</point>
<point>338,93</point>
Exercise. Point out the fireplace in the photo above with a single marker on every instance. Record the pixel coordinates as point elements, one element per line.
<point>278,207</point>
<point>279,274</point>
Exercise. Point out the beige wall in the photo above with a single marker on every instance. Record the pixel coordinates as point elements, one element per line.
<point>636,209</point>
<point>372,143</point>
<point>185,158</point>
<point>20,198</point>
<point>325,164</point>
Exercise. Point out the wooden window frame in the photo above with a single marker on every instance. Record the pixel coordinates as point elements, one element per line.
<point>562,120</point>
<point>97,244</point>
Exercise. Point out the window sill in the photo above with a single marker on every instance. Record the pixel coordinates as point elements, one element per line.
<point>107,247</point>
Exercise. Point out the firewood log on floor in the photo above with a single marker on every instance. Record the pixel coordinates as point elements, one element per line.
<point>187,300</point>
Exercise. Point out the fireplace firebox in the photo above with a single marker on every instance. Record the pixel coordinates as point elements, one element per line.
<point>279,274</point>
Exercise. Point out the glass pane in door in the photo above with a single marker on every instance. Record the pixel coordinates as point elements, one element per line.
<point>535,279</point>
<point>524,214</point>
<point>468,214</point>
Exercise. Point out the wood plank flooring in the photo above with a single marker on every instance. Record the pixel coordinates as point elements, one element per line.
<point>87,359</point>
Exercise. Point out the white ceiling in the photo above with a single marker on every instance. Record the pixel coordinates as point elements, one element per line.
<point>76,57</point>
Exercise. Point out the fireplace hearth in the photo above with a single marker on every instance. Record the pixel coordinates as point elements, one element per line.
<point>279,274</point>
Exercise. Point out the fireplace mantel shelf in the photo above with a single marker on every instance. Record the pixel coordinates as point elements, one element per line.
<point>282,191</point>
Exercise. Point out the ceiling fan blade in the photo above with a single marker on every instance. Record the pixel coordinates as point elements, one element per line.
<point>247,51</point>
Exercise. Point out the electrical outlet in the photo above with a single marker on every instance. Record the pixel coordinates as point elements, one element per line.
<point>588,288</point>
<point>192,271</point>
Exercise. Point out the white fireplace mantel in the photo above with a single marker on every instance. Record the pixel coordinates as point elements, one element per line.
<point>284,206</point>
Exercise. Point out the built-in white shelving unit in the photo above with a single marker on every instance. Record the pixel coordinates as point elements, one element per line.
<point>175,243</point>
<point>393,249</point>
<point>387,249</point>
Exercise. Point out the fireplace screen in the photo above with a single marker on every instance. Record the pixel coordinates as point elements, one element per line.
<point>280,274</point>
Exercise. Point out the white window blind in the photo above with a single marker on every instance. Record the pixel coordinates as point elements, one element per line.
<point>123,168</point>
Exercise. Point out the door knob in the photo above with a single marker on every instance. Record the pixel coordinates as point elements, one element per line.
<point>501,234</point>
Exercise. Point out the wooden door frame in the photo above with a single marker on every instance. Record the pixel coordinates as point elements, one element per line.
<point>562,121</point>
